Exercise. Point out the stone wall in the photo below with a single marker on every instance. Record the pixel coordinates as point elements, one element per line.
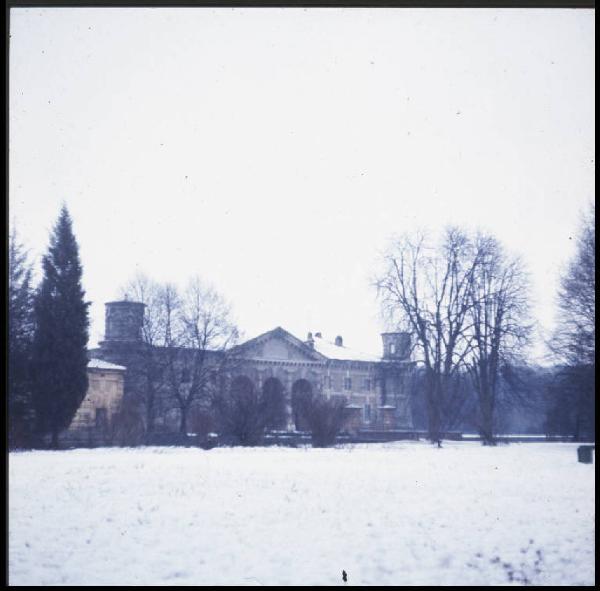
<point>93,420</point>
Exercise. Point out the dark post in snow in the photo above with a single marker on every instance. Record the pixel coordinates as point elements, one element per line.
<point>585,454</point>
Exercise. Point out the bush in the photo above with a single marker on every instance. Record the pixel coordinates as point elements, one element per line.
<point>244,414</point>
<point>325,418</point>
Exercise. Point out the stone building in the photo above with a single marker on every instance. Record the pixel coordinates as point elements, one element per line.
<point>282,364</point>
<point>93,420</point>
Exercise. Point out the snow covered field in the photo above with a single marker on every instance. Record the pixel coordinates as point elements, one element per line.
<point>399,514</point>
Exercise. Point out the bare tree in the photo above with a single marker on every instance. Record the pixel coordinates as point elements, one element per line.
<point>498,329</point>
<point>424,289</point>
<point>185,336</point>
<point>148,368</point>
<point>574,340</point>
<point>199,331</point>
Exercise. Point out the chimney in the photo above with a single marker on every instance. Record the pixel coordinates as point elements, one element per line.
<point>338,341</point>
<point>309,340</point>
<point>318,335</point>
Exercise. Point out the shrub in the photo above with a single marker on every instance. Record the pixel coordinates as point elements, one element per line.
<point>244,414</point>
<point>325,418</point>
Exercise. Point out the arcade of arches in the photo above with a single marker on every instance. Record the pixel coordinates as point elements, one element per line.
<point>276,396</point>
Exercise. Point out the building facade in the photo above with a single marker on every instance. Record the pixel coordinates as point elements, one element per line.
<point>281,364</point>
<point>93,421</point>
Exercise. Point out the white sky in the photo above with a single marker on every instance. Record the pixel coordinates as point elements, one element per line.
<point>274,151</point>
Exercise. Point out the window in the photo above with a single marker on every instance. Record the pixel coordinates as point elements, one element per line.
<point>347,383</point>
<point>392,348</point>
<point>367,413</point>
<point>328,382</point>
<point>367,384</point>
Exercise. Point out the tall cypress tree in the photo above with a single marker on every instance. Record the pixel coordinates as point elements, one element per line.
<point>61,333</point>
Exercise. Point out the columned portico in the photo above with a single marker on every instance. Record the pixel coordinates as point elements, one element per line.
<point>276,378</point>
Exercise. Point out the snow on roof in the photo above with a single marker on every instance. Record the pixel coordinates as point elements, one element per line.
<point>333,351</point>
<point>100,364</point>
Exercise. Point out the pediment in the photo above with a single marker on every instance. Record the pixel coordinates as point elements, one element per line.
<point>277,345</point>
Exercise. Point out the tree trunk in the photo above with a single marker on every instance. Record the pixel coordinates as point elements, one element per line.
<point>486,429</point>
<point>577,430</point>
<point>487,425</point>
<point>150,415</point>
<point>433,411</point>
<point>54,441</point>
<point>183,421</point>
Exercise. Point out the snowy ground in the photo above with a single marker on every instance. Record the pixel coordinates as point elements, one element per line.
<point>399,514</point>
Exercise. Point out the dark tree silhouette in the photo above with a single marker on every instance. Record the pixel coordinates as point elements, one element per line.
<point>147,367</point>
<point>465,302</point>
<point>61,334</point>
<point>574,341</point>
<point>325,417</point>
<point>424,289</point>
<point>498,297</point>
<point>244,413</point>
<point>199,332</point>
<point>20,337</point>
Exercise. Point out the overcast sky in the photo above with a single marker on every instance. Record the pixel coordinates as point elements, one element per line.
<point>274,151</point>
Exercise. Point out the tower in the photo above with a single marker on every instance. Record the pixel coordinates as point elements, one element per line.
<point>396,363</point>
<point>396,346</point>
<point>123,342</point>
<point>123,321</point>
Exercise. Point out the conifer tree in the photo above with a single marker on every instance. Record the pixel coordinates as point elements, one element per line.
<point>61,333</point>
<point>20,335</point>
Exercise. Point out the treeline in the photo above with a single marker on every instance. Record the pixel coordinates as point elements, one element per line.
<point>531,400</point>
<point>463,298</point>
<point>466,303</point>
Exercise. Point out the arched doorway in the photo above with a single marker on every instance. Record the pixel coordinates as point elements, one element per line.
<point>301,395</point>
<point>273,404</point>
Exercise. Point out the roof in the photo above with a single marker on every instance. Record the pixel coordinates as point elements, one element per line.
<point>283,334</point>
<point>333,351</point>
<point>100,364</point>
<point>322,349</point>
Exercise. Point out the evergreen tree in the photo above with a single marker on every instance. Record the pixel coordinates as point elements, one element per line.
<point>20,335</point>
<point>61,333</point>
